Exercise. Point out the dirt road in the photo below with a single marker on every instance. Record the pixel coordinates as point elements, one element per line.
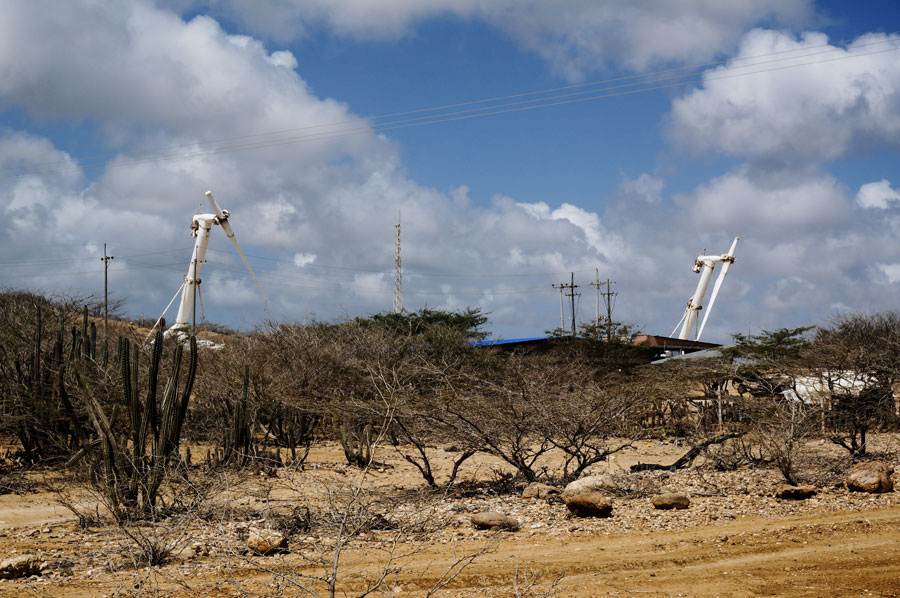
<point>734,540</point>
<point>843,554</point>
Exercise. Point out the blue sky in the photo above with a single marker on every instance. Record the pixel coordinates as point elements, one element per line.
<point>107,113</point>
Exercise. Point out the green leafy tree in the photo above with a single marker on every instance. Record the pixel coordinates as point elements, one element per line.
<point>784,343</point>
<point>767,364</point>
<point>420,323</point>
<point>621,332</point>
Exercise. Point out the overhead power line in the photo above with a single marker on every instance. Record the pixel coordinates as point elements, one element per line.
<point>408,271</point>
<point>73,260</point>
<point>279,279</point>
<point>282,280</point>
<point>490,107</point>
<point>412,273</point>
<point>834,46</point>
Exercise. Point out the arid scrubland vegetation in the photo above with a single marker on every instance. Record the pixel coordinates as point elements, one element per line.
<point>388,455</point>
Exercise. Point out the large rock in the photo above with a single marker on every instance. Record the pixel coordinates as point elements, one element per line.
<point>589,504</point>
<point>21,566</point>
<point>591,483</point>
<point>872,476</point>
<point>266,542</point>
<point>801,492</point>
<point>494,520</point>
<point>671,500</point>
<point>540,491</point>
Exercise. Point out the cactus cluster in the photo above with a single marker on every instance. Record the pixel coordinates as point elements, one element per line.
<point>237,445</point>
<point>357,438</point>
<point>131,475</point>
<point>65,407</point>
<point>47,422</point>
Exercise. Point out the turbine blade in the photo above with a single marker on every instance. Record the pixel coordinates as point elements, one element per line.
<point>221,215</point>
<point>227,228</point>
<point>712,298</point>
<point>223,222</point>
<point>200,300</point>
<point>733,246</point>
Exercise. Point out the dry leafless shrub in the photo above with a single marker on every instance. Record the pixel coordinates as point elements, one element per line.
<point>781,429</point>
<point>147,538</point>
<point>340,515</point>
<point>854,360</point>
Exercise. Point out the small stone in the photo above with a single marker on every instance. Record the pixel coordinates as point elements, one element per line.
<point>671,500</point>
<point>540,491</point>
<point>871,476</point>
<point>25,565</point>
<point>589,504</point>
<point>494,520</point>
<point>266,542</point>
<point>589,484</point>
<point>801,492</point>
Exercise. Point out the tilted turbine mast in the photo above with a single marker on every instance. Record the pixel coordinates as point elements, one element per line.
<point>704,265</point>
<point>200,229</point>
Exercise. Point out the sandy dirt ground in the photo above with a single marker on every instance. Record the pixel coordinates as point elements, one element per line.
<point>735,539</point>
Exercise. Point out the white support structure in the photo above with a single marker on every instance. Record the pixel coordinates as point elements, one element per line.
<point>200,229</point>
<point>704,265</point>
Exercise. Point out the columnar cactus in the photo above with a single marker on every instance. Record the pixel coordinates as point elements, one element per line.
<point>237,441</point>
<point>155,425</point>
<point>46,421</point>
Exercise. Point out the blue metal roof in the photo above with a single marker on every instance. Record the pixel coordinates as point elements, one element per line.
<point>507,341</point>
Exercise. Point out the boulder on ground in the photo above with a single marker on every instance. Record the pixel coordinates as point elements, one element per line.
<point>591,483</point>
<point>266,542</point>
<point>801,492</point>
<point>494,520</point>
<point>21,566</point>
<point>539,491</point>
<point>671,500</point>
<point>871,476</point>
<point>589,504</point>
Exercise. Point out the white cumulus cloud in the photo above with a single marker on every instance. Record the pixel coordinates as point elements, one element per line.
<point>819,111</point>
<point>148,77</point>
<point>891,271</point>
<point>877,195</point>
<point>317,220</point>
<point>768,204</point>
<point>574,36</point>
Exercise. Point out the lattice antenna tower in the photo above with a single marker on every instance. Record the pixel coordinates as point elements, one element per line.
<point>398,271</point>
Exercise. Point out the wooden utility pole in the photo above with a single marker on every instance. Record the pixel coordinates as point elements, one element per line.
<point>571,294</point>
<point>562,312</point>
<point>106,259</point>
<point>608,295</point>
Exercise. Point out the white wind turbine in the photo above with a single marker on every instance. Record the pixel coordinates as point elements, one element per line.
<point>704,265</point>
<point>190,288</point>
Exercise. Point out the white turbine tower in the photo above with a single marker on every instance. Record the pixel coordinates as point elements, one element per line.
<point>200,229</point>
<point>704,265</point>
